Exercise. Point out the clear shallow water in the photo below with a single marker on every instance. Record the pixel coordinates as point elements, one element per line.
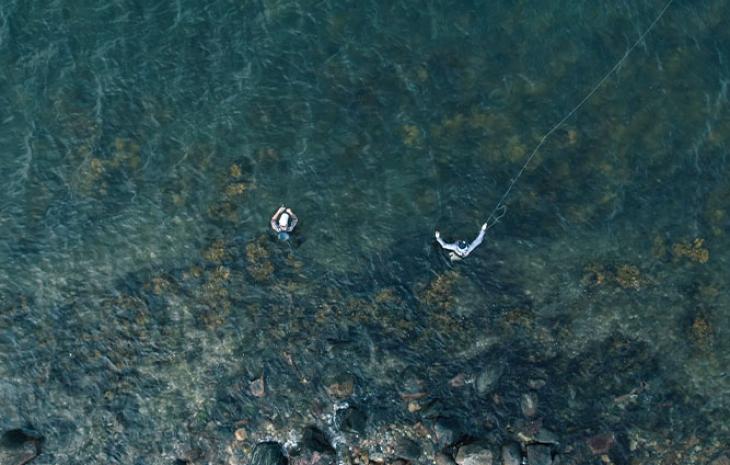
<point>145,147</point>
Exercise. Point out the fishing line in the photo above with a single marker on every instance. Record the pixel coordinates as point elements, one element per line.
<point>501,209</point>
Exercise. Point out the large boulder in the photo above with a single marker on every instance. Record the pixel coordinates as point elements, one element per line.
<point>268,453</point>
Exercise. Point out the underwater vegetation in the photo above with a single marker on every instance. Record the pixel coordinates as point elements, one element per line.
<point>149,316</point>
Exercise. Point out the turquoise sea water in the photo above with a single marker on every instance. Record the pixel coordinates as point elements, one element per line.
<point>143,148</point>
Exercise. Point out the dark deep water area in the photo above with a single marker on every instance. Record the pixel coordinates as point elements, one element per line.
<point>149,316</point>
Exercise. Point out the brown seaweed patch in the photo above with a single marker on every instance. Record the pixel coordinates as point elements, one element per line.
<point>411,135</point>
<point>125,153</point>
<point>387,296</point>
<point>694,251</point>
<point>701,331</point>
<point>257,256</point>
<point>225,211</point>
<point>625,276</point>
<point>450,126</point>
<point>518,318</point>
<point>214,297</point>
<point>629,277</point>
<point>216,252</point>
<point>236,189</point>
<point>90,175</point>
<point>515,149</point>
<point>235,170</point>
<point>293,263</point>
<point>594,275</point>
<point>194,272</point>
<point>438,293</point>
<point>158,285</point>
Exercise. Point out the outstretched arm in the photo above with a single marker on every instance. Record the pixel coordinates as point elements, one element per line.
<point>475,243</point>
<point>444,245</point>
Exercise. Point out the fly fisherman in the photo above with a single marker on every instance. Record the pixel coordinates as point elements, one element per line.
<point>460,249</point>
<point>283,222</point>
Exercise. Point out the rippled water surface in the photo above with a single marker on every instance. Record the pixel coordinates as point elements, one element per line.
<point>147,312</point>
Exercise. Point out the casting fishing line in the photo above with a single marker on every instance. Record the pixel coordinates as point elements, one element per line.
<point>500,209</point>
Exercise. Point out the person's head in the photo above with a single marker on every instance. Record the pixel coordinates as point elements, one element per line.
<point>284,220</point>
<point>462,245</point>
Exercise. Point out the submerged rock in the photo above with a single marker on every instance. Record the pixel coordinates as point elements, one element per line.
<point>539,454</point>
<point>489,377</point>
<point>536,383</point>
<point>412,388</point>
<point>407,449</point>
<point>15,438</point>
<point>446,431</point>
<point>315,449</point>
<point>458,380</point>
<point>340,385</point>
<point>528,404</point>
<point>474,454</point>
<point>241,434</point>
<point>257,387</point>
<point>601,443</point>
<point>534,432</point>
<point>441,458</point>
<point>19,454</point>
<point>313,438</point>
<point>18,446</point>
<point>352,419</point>
<point>511,454</point>
<point>268,453</point>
